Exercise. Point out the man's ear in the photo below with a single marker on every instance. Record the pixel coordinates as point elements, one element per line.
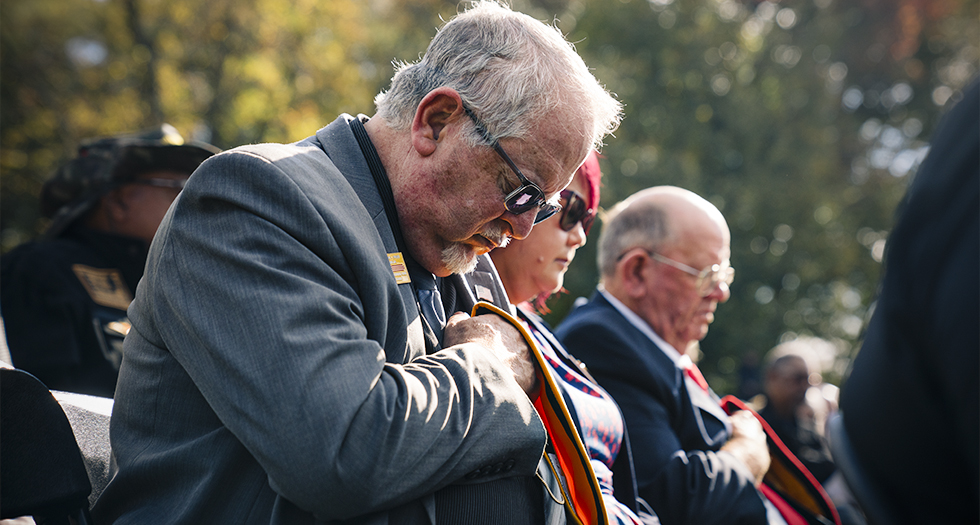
<point>632,270</point>
<point>439,108</point>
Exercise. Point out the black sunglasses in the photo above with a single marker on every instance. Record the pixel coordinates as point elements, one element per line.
<point>528,195</point>
<point>575,211</point>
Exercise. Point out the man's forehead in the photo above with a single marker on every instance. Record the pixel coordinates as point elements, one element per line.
<point>562,172</point>
<point>560,181</point>
<point>707,245</point>
<point>559,150</point>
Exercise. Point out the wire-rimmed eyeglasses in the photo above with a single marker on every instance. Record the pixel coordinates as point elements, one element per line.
<point>528,195</point>
<point>707,279</point>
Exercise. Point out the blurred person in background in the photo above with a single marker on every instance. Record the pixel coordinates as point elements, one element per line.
<point>796,407</point>
<point>787,381</point>
<point>64,297</point>
<point>532,269</point>
<point>664,264</point>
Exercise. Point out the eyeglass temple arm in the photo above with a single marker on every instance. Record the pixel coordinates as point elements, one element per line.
<point>679,265</point>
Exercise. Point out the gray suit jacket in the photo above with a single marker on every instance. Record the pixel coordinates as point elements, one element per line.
<point>275,372</point>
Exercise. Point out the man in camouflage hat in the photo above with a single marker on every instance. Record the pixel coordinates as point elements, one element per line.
<point>64,298</point>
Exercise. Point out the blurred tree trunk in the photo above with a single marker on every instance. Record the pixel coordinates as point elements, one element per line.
<point>148,78</point>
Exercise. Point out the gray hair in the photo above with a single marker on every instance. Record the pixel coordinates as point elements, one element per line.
<point>631,224</point>
<point>509,69</point>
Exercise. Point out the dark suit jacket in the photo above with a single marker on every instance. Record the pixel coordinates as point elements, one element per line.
<point>911,406</point>
<point>61,319</point>
<point>276,373</point>
<point>676,428</point>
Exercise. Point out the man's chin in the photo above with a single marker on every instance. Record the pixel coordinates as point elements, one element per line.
<point>459,258</point>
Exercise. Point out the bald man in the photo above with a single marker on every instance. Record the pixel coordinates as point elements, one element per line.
<point>664,263</point>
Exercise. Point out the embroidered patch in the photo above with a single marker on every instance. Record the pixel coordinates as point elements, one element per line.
<point>104,285</point>
<point>398,268</point>
<point>483,293</point>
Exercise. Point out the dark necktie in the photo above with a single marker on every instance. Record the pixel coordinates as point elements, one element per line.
<point>431,303</point>
<point>430,300</point>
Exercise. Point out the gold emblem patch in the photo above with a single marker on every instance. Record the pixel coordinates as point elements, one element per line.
<point>397,262</point>
<point>104,285</point>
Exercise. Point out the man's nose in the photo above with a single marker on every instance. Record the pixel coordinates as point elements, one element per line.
<point>720,292</point>
<point>521,224</point>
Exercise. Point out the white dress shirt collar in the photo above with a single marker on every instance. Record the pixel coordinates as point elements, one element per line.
<point>680,360</point>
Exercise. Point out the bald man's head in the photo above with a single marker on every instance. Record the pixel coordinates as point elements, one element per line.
<point>664,252</point>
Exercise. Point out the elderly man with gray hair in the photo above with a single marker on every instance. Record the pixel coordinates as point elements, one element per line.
<point>291,360</point>
<point>664,259</point>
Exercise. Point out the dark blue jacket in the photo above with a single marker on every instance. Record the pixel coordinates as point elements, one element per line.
<point>676,429</point>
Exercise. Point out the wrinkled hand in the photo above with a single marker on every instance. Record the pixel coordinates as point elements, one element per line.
<point>748,444</point>
<point>498,336</point>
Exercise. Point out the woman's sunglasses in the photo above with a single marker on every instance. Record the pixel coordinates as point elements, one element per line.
<point>574,211</point>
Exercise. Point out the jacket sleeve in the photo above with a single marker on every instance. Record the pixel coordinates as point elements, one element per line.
<point>274,294</point>
<point>682,486</point>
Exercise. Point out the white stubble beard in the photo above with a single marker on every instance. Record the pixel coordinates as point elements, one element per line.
<point>459,257</point>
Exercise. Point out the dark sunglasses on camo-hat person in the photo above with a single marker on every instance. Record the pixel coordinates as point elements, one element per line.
<point>105,164</point>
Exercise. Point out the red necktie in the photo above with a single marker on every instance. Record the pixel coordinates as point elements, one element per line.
<point>695,374</point>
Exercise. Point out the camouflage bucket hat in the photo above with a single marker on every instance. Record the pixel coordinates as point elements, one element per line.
<point>107,163</point>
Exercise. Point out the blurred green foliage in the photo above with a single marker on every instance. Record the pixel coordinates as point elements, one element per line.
<point>802,120</point>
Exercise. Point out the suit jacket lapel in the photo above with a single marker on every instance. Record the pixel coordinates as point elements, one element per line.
<point>710,420</point>
<point>338,142</point>
<point>481,284</point>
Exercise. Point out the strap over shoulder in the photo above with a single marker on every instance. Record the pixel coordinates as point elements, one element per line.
<point>792,488</point>
<point>583,498</point>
